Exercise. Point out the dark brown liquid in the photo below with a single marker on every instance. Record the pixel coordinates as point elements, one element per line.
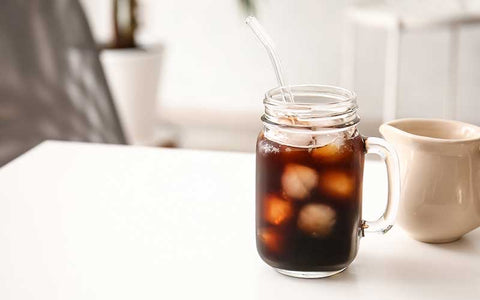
<point>308,207</point>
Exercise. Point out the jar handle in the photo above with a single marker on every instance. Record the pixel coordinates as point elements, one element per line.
<point>389,156</point>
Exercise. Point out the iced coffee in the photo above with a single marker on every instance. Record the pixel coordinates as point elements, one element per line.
<point>309,174</point>
<point>309,203</point>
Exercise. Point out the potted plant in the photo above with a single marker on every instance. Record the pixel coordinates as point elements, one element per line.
<point>132,73</point>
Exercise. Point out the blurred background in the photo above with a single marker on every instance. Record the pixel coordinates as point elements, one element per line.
<point>191,74</point>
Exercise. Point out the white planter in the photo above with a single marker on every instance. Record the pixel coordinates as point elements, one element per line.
<point>133,77</point>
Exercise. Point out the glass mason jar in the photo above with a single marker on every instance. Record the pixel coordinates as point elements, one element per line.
<point>309,173</point>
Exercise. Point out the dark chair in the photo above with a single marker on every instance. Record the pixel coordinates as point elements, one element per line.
<point>51,82</point>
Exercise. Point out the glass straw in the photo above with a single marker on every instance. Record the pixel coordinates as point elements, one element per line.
<point>267,42</point>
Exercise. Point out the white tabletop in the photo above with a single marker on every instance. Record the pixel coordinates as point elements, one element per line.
<point>82,221</point>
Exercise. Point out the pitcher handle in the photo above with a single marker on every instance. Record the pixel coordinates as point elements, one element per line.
<point>389,156</point>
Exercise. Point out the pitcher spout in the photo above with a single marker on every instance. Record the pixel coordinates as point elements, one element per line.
<point>398,131</point>
<point>391,132</point>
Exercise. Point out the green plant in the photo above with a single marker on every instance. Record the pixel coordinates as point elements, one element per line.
<point>248,6</point>
<point>124,23</point>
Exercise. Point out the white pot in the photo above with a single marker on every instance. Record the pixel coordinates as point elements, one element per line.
<point>133,77</point>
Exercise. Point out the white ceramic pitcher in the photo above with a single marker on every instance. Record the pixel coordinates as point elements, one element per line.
<point>440,177</point>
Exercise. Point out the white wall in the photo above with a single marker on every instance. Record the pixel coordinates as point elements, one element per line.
<point>214,61</point>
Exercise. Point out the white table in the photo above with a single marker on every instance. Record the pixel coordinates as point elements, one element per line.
<point>84,221</point>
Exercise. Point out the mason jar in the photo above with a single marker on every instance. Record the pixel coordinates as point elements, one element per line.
<point>309,173</point>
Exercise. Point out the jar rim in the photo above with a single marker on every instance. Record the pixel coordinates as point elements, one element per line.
<point>347,95</point>
<point>315,105</point>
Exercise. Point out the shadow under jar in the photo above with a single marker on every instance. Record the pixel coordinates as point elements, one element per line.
<point>309,173</point>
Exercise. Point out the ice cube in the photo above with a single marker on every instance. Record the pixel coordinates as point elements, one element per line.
<point>327,153</point>
<point>337,184</point>
<point>294,139</point>
<point>293,154</point>
<point>325,139</point>
<point>277,210</point>
<point>298,140</point>
<point>316,219</point>
<point>332,152</point>
<point>298,181</point>
<point>272,239</point>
